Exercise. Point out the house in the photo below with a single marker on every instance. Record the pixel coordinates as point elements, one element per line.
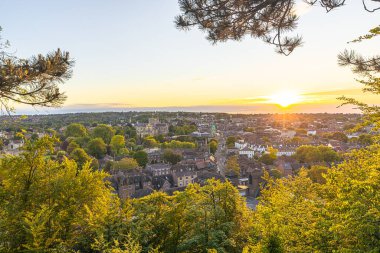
<point>184,178</point>
<point>203,176</point>
<point>247,151</point>
<point>154,155</point>
<point>162,183</point>
<point>159,169</point>
<point>259,148</point>
<point>132,183</point>
<point>285,168</point>
<point>312,132</point>
<point>184,174</point>
<point>200,134</point>
<point>240,144</point>
<point>15,144</point>
<point>286,151</point>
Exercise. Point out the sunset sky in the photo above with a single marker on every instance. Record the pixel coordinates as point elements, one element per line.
<point>130,55</point>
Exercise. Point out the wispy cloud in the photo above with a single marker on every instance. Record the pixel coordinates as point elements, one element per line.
<point>99,105</point>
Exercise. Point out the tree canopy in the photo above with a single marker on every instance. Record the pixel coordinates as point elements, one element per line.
<point>104,132</point>
<point>97,148</point>
<point>75,130</point>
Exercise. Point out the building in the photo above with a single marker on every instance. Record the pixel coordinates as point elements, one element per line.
<point>15,144</point>
<point>184,178</point>
<point>183,174</point>
<point>159,169</point>
<point>154,127</point>
<point>143,129</point>
<point>247,151</point>
<point>240,144</point>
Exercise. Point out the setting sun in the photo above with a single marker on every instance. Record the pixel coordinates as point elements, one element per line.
<point>285,99</point>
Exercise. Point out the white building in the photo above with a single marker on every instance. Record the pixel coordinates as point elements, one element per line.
<point>240,144</point>
<point>260,148</point>
<point>312,132</point>
<point>285,152</point>
<point>248,151</point>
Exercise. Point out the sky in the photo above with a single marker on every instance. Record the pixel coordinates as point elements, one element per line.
<point>130,56</point>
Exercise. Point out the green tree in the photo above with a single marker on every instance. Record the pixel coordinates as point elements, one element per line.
<point>365,139</point>
<point>45,206</point>
<point>178,145</point>
<point>126,164</point>
<point>338,215</point>
<point>339,136</point>
<point>213,145</point>
<point>316,154</point>
<point>316,172</point>
<point>212,217</point>
<point>171,157</point>
<point>75,130</point>
<point>130,132</point>
<point>232,165</point>
<point>104,132</point>
<point>72,145</point>
<point>80,156</point>
<point>97,148</point>
<point>117,144</point>
<point>150,142</point>
<point>230,142</point>
<point>269,158</point>
<point>141,158</point>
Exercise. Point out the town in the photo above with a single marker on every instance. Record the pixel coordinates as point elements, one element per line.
<point>145,152</point>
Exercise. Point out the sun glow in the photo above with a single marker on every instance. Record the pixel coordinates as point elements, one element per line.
<point>285,99</point>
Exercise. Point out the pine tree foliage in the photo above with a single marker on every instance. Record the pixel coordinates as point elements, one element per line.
<point>269,20</point>
<point>368,71</point>
<point>33,81</point>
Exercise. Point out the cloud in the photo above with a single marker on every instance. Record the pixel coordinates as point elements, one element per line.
<point>342,92</point>
<point>312,102</point>
<point>99,105</point>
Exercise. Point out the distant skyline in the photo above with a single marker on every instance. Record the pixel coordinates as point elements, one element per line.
<point>129,55</point>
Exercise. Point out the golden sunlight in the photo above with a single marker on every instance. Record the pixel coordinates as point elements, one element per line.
<point>284,99</point>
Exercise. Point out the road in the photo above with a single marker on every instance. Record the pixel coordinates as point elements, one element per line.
<point>220,155</point>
